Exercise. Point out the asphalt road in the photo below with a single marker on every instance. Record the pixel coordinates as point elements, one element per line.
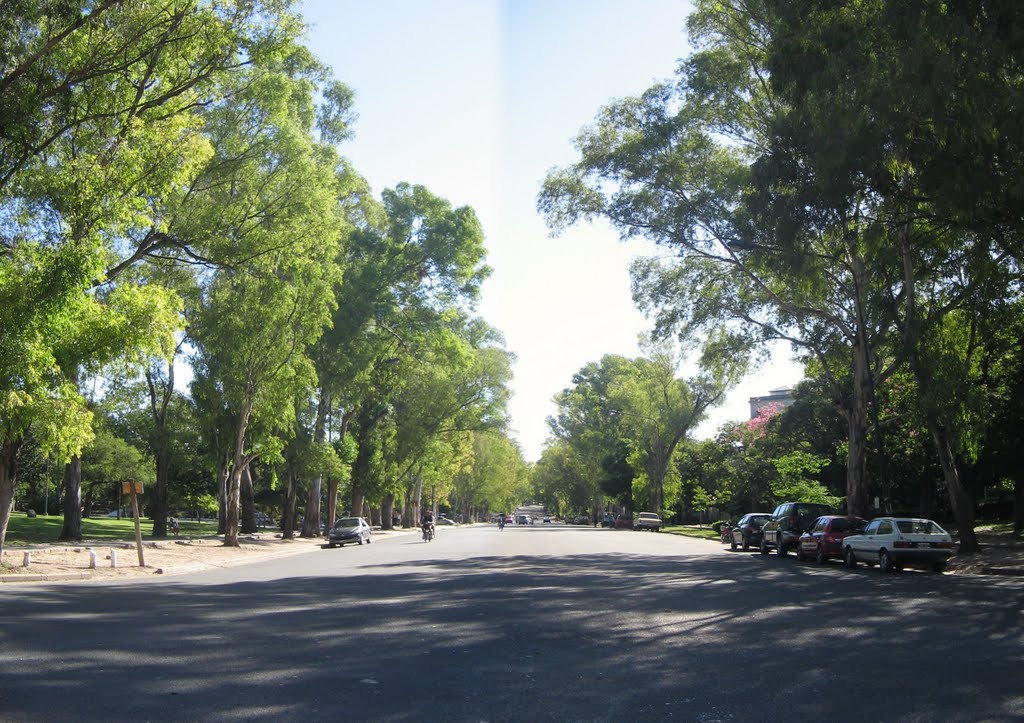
<point>540,623</point>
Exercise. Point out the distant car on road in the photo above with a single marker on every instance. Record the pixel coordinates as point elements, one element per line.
<point>747,532</point>
<point>825,538</point>
<point>647,521</point>
<point>349,529</point>
<point>442,520</point>
<point>898,542</point>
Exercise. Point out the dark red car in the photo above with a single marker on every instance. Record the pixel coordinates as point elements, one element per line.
<point>624,522</point>
<point>825,538</point>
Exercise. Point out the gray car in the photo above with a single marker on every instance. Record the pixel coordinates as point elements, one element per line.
<point>349,529</point>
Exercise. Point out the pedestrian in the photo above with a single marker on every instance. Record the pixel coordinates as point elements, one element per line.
<point>174,526</point>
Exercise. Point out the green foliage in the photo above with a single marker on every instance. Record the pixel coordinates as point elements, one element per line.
<point>796,479</point>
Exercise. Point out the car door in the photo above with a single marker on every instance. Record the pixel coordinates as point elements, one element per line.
<point>884,536</point>
<point>809,544</point>
<point>861,544</point>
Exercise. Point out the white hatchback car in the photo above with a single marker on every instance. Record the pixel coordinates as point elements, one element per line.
<point>898,542</point>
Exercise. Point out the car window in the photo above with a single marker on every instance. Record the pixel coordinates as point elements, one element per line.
<point>842,524</point>
<point>872,528</point>
<point>759,519</point>
<point>885,527</point>
<point>820,524</point>
<point>347,522</point>
<point>919,527</point>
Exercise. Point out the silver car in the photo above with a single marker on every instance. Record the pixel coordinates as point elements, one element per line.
<point>898,542</point>
<point>349,529</point>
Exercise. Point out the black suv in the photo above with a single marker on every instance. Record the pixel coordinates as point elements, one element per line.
<point>788,522</point>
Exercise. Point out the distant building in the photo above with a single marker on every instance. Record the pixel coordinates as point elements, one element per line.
<point>783,396</point>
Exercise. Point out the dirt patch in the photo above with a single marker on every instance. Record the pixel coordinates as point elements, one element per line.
<point>164,557</point>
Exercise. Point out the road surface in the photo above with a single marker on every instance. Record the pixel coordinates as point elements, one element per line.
<point>546,622</point>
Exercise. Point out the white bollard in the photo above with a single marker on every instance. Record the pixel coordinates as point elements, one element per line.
<point>28,559</point>
<point>113,557</point>
<point>92,560</point>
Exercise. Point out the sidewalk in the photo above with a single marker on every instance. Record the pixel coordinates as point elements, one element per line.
<point>163,557</point>
<point>1000,555</point>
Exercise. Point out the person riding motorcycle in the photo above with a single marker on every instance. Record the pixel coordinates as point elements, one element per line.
<point>428,525</point>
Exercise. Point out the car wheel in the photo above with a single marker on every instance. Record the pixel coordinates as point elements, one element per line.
<point>746,543</point>
<point>939,567</point>
<point>884,560</point>
<point>849,559</point>
<point>732,544</point>
<point>360,540</point>
<point>331,545</point>
<point>764,548</point>
<point>780,547</point>
<point>799,552</point>
<point>368,539</point>
<point>819,556</point>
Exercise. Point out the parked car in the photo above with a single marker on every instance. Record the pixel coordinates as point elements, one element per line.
<point>624,522</point>
<point>524,519</point>
<point>442,520</point>
<point>787,523</point>
<point>349,529</point>
<point>825,538</point>
<point>747,532</point>
<point>898,542</point>
<point>264,520</point>
<point>647,521</point>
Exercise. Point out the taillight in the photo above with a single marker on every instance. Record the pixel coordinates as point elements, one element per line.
<point>946,545</point>
<point>792,521</point>
<point>902,543</point>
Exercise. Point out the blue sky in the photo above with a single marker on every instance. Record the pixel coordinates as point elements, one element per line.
<point>477,100</point>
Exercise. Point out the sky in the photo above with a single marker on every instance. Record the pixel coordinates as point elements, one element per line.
<point>477,100</point>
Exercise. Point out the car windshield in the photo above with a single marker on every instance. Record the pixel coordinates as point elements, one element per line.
<point>919,527</point>
<point>648,515</point>
<point>759,520</point>
<point>347,522</point>
<point>844,524</point>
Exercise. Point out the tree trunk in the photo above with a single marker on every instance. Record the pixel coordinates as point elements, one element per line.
<point>8,480</point>
<point>158,401</point>
<point>288,518</point>
<point>159,498</point>
<point>1018,505</point>
<point>963,506</point>
<point>248,521</point>
<point>386,512</point>
<point>238,464</point>
<point>856,413</point>
<point>311,520</point>
<point>223,471</point>
<point>72,529</point>
<point>231,505</point>
<point>332,483</point>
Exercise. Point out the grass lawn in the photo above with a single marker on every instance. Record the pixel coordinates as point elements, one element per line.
<point>705,533</point>
<point>24,530</point>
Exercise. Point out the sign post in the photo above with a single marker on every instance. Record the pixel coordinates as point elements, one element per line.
<point>135,489</point>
